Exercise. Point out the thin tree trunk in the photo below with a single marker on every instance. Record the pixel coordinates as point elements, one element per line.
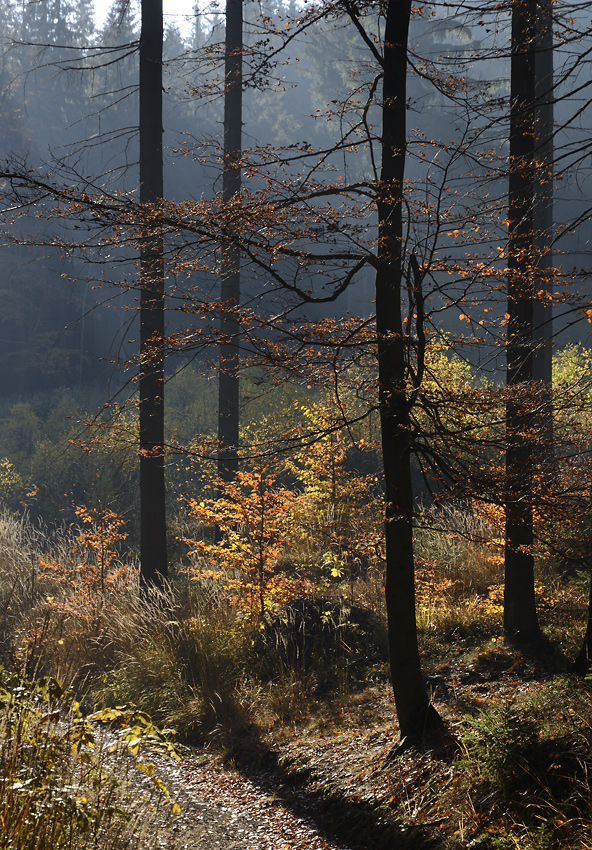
<point>415,714</point>
<point>520,617</point>
<point>153,546</point>
<point>228,393</point>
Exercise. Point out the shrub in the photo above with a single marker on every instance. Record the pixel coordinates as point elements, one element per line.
<point>501,744</point>
<point>336,640</point>
<point>62,785</point>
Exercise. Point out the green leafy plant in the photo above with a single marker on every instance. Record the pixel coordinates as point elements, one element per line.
<point>500,743</point>
<point>63,783</point>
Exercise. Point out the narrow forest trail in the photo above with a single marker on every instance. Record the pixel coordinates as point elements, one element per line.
<point>221,809</point>
<point>332,786</point>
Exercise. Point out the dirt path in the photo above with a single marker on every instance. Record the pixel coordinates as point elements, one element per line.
<point>223,810</point>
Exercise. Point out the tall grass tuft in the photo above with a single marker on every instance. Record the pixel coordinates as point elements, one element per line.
<point>53,620</point>
<point>459,570</point>
<point>462,547</point>
<point>184,657</point>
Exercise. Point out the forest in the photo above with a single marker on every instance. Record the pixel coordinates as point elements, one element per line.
<point>296,421</point>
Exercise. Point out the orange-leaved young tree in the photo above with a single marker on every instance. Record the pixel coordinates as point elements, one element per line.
<point>95,568</point>
<point>240,533</point>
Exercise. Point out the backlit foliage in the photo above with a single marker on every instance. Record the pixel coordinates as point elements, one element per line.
<point>337,512</point>
<point>64,785</point>
<point>95,568</point>
<point>250,518</point>
<point>11,483</point>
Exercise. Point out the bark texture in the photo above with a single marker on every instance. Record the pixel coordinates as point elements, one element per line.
<point>520,617</point>
<point>153,543</point>
<point>417,718</point>
<point>543,232</point>
<point>228,394</point>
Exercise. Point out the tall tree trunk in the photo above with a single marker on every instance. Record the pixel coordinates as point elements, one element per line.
<point>581,664</point>
<point>228,393</point>
<point>520,617</point>
<point>416,715</point>
<point>543,231</point>
<point>153,546</point>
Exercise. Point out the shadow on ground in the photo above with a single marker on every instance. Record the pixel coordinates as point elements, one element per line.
<point>358,824</point>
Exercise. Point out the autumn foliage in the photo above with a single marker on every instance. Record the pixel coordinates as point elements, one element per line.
<point>94,570</point>
<point>251,520</point>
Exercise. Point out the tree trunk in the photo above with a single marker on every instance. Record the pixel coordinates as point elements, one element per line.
<point>520,617</point>
<point>228,392</point>
<point>416,716</point>
<point>543,232</point>
<point>581,665</point>
<point>153,546</point>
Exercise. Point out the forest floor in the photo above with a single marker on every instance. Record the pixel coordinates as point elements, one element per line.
<point>327,783</point>
<point>298,736</point>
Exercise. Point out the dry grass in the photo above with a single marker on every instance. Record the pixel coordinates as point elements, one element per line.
<point>52,626</point>
<point>460,549</point>
<point>181,656</point>
<point>188,656</point>
<point>458,577</point>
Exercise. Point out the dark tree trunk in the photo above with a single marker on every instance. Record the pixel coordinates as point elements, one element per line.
<point>228,393</point>
<point>416,716</point>
<point>583,660</point>
<point>520,617</point>
<point>581,665</point>
<point>543,232</point>
<point>153,546</point>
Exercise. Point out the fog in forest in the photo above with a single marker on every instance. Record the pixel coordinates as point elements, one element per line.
<point>296,425</point>
<point>69,327</point>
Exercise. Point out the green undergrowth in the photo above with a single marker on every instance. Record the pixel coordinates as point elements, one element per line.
<point>65,783</point>
<point>527,762</point>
